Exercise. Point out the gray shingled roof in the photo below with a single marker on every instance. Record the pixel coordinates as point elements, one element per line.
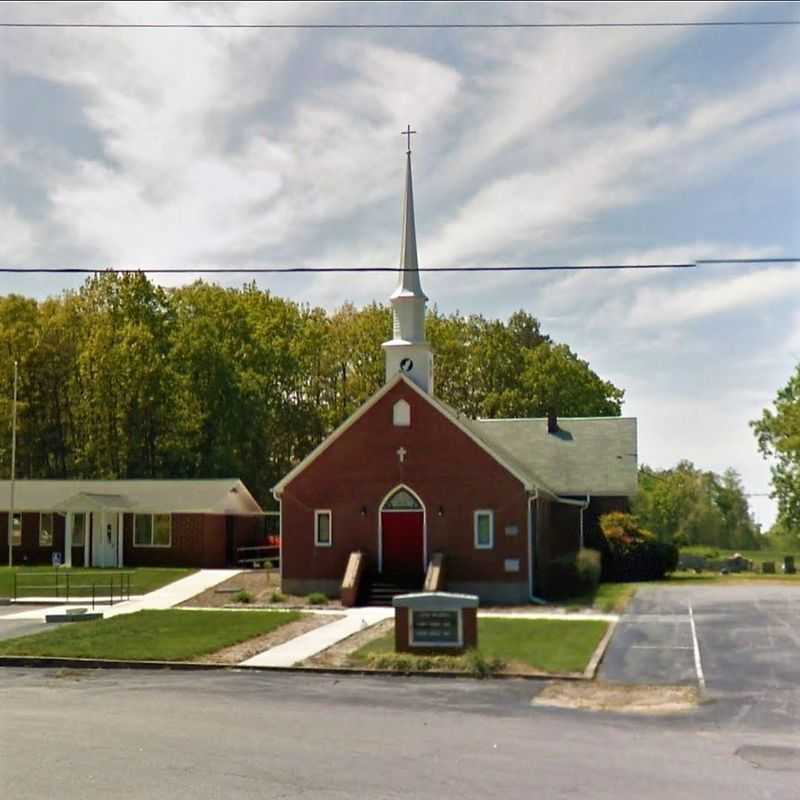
<point>216,496</point>
<point>593,455</point>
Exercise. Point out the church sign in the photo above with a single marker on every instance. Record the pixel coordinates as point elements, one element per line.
<point>432,621</point>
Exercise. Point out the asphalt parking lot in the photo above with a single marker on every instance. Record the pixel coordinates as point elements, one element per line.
<point>745,642</point>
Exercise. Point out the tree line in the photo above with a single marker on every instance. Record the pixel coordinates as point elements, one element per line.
<point>688,506</point>
<point>126,379</point>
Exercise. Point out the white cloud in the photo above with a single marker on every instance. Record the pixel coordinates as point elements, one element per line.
<point>17,243</point>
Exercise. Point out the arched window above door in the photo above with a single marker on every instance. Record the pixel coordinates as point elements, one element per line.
<point>402,500</point>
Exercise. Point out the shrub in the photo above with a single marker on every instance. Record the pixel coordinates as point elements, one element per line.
<point>243,596</point>
<point>573,574</point>
<point>472,662</point>
<point>477,664</point>
<point>317,599</point>
<point>277,597</point>
<point>634,554</point>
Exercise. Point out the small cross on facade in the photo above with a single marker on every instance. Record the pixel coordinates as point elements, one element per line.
<point>408,132</point>
<point>401,454</point>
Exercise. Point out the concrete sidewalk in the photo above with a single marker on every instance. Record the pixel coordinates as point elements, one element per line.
<point>313,642</point>
<point>166,597</point>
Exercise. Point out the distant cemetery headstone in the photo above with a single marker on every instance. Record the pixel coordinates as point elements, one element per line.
<point>435,622</point>
<point>788,565</point>
<point>768,567</point>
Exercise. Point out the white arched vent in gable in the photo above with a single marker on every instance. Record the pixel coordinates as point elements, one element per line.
<point>401,413</point>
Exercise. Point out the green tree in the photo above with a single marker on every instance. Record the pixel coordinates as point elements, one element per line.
<point>778,435</point>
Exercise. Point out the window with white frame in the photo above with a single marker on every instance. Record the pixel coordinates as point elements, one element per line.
<point>152,530</point>
<point>484,529</point>
<point>323,535</point>
<point>79,529</point>
<point>16,530</point>
<point>45,530</point>
<point>401,414</point>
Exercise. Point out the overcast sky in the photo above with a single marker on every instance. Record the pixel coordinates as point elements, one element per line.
<point>242,148</point>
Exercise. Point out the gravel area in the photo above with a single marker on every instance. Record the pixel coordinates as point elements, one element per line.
<point>338,655</point>
<point>244,650</point>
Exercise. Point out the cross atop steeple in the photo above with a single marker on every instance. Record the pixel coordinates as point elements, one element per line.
<point>408,132</point>
<point>408,351</point>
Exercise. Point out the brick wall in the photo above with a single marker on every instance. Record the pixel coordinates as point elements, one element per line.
<point>444,467</point>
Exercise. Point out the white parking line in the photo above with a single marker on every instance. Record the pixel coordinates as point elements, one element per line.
<point>698,664</point>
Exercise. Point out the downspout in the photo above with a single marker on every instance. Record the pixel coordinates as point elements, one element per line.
<point>583,508</point>
<point>583,505</point>
<point>531,596</point>
<point>277,497</point>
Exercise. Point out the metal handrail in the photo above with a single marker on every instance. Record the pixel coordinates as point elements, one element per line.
<point>124,585</point>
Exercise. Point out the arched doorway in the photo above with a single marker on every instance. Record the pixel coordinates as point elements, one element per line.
<point>402,535</point>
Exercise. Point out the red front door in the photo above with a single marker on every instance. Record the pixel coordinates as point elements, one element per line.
<point>402,533</point>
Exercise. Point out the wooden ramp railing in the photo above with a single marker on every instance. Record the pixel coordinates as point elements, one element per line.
<point>353,574</point>
<point>434,577</point>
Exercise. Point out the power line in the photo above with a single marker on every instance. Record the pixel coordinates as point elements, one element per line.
<point>403,25</point>
<point>291,270</point>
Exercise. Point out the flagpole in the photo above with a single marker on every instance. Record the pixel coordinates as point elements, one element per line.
<point>13,470</point>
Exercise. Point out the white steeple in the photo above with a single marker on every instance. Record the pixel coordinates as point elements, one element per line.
<point>407,351</point>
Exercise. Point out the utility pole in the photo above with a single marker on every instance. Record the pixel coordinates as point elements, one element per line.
<point>13,470</point>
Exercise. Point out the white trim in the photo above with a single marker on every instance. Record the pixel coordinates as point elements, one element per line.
<point>478,512</point>
<point>422,510</point>
<point>323,446</point>
<point>318,512</point>
<point>414,643</point>
<point>121,537</point>
<point>152,516</point>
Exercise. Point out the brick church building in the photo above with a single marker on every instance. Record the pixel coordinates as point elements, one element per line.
<point>413,486</point>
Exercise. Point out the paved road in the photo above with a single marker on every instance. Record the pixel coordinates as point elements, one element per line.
<point>134,734</point>
<point>748,645</point>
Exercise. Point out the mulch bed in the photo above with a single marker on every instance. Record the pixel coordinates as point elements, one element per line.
<point>254,581</point>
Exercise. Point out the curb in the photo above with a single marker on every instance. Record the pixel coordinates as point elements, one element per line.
<point>50,662</point>
<point>599,652</point>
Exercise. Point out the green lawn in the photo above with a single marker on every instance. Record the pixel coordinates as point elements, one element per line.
<point>688,578</point>
<point>758,556</point>
<point>609,598</point>
<point>542,645</point>
<point>41,581</point>
<point>170,635</point>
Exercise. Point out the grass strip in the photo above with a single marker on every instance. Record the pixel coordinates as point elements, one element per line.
<point>169,635</point>
<point>503,644</point>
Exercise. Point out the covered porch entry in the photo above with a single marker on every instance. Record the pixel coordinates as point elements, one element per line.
<point>96,520</point>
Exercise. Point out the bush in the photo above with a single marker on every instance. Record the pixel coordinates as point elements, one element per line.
<point>243,596</point>
<point>317,599</point>
<point>634,554</point>
<point>473,662</point>
<point>277,597</point>
<point>573,574</point>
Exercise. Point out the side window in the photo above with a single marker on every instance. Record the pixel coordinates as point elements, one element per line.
<point>401,414</point>
<point>142,530</point>
<point>45,530</point>
<point>162,530</point>
<point>16,530</point>
<point>323,535</point>
<point>484,529</point>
